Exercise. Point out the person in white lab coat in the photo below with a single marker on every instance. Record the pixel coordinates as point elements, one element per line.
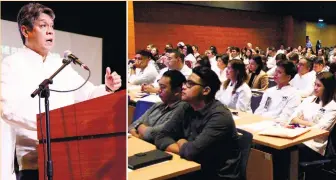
<point>305,78</point>
<point>27,69</point>
<point>235,93</point>
<point>317,111</point>
<point>280,101</point>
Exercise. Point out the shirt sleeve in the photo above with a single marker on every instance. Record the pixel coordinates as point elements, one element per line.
<point>172,130</point>
<point>142,118</point>
<point>309,88</point>
<point>13,111</point>
<point>147,77</point>
<point>244,100</point>
<point>288,110</point>
<point>213,131</point>
<point>299,110</point>
<point>328,120</point>
<point>151,131</point>
<point>264,82</point>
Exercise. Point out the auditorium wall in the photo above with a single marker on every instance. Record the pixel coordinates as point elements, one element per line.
<point>161,23</point>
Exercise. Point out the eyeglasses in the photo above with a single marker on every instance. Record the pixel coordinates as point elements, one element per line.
<point>138,58</point>
<point>190,84</point>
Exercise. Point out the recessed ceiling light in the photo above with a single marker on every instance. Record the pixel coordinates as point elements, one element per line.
<point>320,20</point>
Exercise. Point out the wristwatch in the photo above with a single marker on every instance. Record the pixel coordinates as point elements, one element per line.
<point>108,89</point>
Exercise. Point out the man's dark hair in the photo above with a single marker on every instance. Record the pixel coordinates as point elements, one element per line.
<point>318,60</point>
<point>176,79</point>
<point>29,13</point>
<point>178,54</point>
<point>293,57</point>
<point>144,53</point>
<point>208,78</point>
<point>235,48</point>
<point>224,57</point>
<point>289,68</point>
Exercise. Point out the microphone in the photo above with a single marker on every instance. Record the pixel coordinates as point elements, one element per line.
<point>74,59</point>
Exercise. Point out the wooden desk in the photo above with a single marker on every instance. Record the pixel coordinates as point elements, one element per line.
<point>175,167</point>
<point>278,142</point>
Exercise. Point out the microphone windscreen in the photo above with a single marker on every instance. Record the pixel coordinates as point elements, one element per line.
<point>67,53</point>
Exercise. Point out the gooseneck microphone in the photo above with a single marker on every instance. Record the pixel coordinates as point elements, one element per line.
<point>68,55</point>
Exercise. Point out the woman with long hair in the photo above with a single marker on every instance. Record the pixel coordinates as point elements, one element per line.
<point>235,93</point>
<point>317,111</point>
<point>256,77</point>
<point>189,59</point>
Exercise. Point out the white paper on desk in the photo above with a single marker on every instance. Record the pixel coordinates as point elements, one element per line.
<point>259,126</point>
<point>235,117</point>
<point>284,132</point>
<point>151,98</point>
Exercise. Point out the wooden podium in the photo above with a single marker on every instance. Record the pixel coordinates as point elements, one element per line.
<point>88,140</point>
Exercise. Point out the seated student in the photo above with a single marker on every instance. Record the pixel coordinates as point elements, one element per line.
<point>203,61</point>
<point>206,132</point>
<point>319,65</point>
<point>279,102</point>
<point>305,78</point>
<point>293,57</point>
<point>222,62</point>
<point>278,57</point>
<point>142,71</point>
<point>159,114</point>
<point>256,77</point>
<point>175,62</point>
<point>317,111</point>
<point>235,93</point>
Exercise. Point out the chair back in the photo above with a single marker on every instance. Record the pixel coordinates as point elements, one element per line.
<point>245,143</point>
<point>255,100</point>
<point>331,146</point>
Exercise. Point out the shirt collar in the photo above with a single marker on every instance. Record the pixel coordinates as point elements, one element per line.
<point>34,54</point>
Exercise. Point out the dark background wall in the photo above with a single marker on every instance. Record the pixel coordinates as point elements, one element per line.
<point>101,19</point>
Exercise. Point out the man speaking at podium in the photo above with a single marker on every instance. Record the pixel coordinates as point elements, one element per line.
<point>21,74</point>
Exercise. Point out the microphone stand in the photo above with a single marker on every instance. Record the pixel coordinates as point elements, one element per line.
<point>44,91</point>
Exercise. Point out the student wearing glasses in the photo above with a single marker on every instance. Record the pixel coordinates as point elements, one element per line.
<point>204,133</point>
<point>235,93</point>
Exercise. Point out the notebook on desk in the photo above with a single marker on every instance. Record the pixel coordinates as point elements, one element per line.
<point>147,158</point>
